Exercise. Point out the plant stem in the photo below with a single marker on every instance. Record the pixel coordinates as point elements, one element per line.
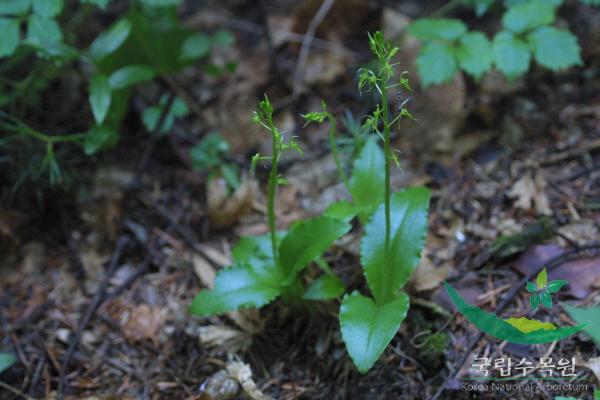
<point>388,157</point>
<point>334,152</point>
<point>273,190</point>
<point>446,8</point>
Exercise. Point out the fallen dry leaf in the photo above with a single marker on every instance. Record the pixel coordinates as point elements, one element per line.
<point>581,232</point>
<point>220,336</point>
<point>204,270</point>
<point>145,322</point>
<point>529,194</point>
<point>225,210</point>
<point>219,386</point>
<point>243,374</point>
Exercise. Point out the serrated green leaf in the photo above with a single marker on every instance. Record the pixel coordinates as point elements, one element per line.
<point>10,36</point>
<point>589,315</point>
<point>437,28</point>
<point>325,287</point>
<point>99,3</point>
<point>546,299</point>
<point>48,8</point>
<point>555,286</point>
<point>367,182</point>
<point>529,15</point>
<point>307,240</point>
<point>235,287</point>
<point>6,361</point>
<point>14,7</point>
<point>130,75</point>
<point>196,46</point>
<point>408,229</point>
<point>343,209</point>
<point>254,250</point>
<point>367,328</point>
<point>436,63</point>
<point>542,278</point>
<point>474,54</point>
<point>534,301</point>
<point>511,54</point>
<point>554,48</point>
<point>111,39</point>
<point>531,288</point>
<point>97,138</point>
<point>42,31</point>
<point>100,97</point>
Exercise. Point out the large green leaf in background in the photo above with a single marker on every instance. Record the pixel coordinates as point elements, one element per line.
<point>14,7</point>
<point>9,36</point>
<point>100,97</point>
<point>529,15</point>
<point>555,48</point>
<point>511,54</point>
<point>241,285</point>
<point>367,328</point>
<point>306,241</point>
<point>584,315</point>
<point>325,287</point>
<point>6,360</point>
<point>474,54</point>
<point>408,229</point>
<point>367,181</point>
<point>111,39</point>
<point>130,75</point>
<point>437,28</point>
<point>436,63</point>
<point>48,8</point>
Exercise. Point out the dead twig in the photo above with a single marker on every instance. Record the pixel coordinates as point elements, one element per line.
<point>553,263</point>
<point>91,310</point>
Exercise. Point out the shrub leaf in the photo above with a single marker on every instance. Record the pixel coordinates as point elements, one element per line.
<point>511,54</point>
<point>554,48</point>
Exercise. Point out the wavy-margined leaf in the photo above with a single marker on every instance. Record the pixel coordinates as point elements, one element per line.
<point>589,315</point>
<point>242,285</point>
<point>499,328</point>
<point>367,184</point>
<point>408,229</point>
<point>325,287</point>
<point>511,54</point>
<point>555,48</point>
<point>529,15</point>
<point>367,328</point>
<point>474,54</point>
<point>111,39</point>
<point>100,97</point>
<point>342,209</point>
<point>307,240</point>
<point>6,360</point>
<point>436,63</point>
<point>437,28</point>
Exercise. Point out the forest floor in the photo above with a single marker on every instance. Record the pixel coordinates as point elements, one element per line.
<point>95,283</point>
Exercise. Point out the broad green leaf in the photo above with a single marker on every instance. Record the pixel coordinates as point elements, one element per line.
<point>499,328</point>
<point>437,28</point>
<point>542,279</point>
<point>436,63</point>
<point>100,97</point>
<point>97,138</point>
<point>527,325</point>
<point>555,286</point>
<point>196,46</point>
<point>235,287</point>
<point>6,360</point>
<point>42,31</point>
<point>546,299</point>
<point>531,288</point>
<point>534,301</point>
<point>367,327</point>
<point>529,15</point>
<point>474,54</point>
<point>343,209</point>
<point>511,54</point>
<point>48,8</point>
<point>160,3</point>
<point>254,250</point>
<point>307,240</point>
<point>110,40</point>
<point>324,288</point>
<point>9,36</point>
<point>14,7</point>
<point>100,3</point>
<point>223,38</point>
<point>408,230</point>
<point>130,75</point>
<point>589,315</point>
<point>554,48</point>
<point>367,183</point>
